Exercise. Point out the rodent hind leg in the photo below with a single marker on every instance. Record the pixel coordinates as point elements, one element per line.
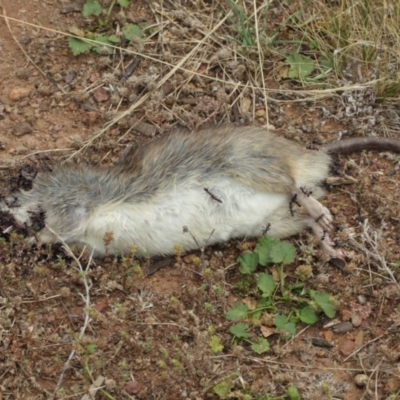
<point>320,214</point>
<point>327,244</point>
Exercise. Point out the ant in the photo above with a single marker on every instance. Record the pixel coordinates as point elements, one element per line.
<point>293,201</point>
<point>307,192</point>
<point>213,196</point>
<point>266,229</point>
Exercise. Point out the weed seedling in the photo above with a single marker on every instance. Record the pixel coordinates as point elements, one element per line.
<point>102,43</point>
<point>297,303</point>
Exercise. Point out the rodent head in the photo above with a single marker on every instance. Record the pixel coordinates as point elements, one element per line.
<point>57,202</point>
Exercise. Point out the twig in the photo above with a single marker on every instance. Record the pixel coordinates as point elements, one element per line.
<point>85,298</point>
<point>261,63</point>
<point>376,253</point>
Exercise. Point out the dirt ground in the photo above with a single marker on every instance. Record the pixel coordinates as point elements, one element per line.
<point>140,336</point>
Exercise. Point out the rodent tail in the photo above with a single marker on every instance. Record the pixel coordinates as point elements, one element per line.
<point>363,143</point>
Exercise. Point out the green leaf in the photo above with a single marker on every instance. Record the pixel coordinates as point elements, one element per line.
<point>300,66</point>
<point>215,344</point>
<point>260,346</point>
<point>323,301</point>
<point>308,316</point>
<point>113,39</point>
<point>326,62</point>
<point>239,331</point>
<point>283,253</point>
<point>266,284</point>
<point>78,46</point>
<point>293,393</point>
<point>290,328</point>
<point>263,249</point>
<point>124,3</point>
<point>255,315</point>
<point>91,7</point>
<point>266,304</point>
<point>131,30</point>
<point>223,389</point>
<point>248,262</point>
<point>238,311</point>
<point>280,321</point>
<point>102,40</point>
<point>284,326</point>
<point>91,348</point>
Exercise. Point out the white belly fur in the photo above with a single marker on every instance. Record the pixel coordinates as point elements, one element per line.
<point>156,227</point>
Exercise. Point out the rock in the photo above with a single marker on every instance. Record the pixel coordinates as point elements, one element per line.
<point>356,320</point>
<point>361,299</point>
<point>19,93</point>
<point>100,95</point>
<point>361,380</point>
<point>260,113</point>
<point>68,78</point>
<point>343,327</point>
<point>132,387</point>
<point>13,116</point>
<point>90,117</point>
<point>328,335</point>
<point>22,128</point>
<point>347,347</point>
<point>359,339</point>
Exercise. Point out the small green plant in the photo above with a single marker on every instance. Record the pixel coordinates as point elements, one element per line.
<point>161,364</point>
<point>246,30</point>
<point>223,388</point>
<point>243,287</point>
<point>146,347</point>
<point>300,67</point>
<point>241,332</point>
<point>219,291</point>
<point>215,344</point>
<point>299,304</point>
<point>209,307</point>
<point>102,43</point>
<point>60,261</point>
<point>177,364</point>
<point>90,348</point>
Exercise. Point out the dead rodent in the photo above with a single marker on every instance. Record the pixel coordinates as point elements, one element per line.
<point>218,184</point>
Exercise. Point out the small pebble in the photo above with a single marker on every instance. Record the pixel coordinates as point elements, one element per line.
<point>356,320</point>
<point>361,299</point>
<point>22,128</point>
<point>343,327</point>
<point>361,380</point>
<point>19,93</point>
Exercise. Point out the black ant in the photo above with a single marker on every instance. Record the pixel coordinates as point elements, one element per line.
<point>266,229</point>
<point>324,235</point>
<point>213,196</point>
<point>293,201</point>
<point>319,218</point>
<point>306,192</point>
